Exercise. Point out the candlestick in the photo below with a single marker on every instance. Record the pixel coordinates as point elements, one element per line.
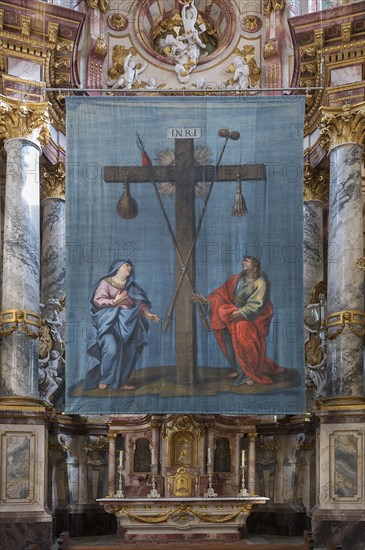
<point>209,455</point>
<point>120,458</point>
<point>119,493</point>
<point>243,491</point>
<point>153,492</point>
<point>210,491</point>
<point>243,459</point>
<point>152,456</point>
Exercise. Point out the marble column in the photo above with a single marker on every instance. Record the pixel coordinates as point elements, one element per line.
<point>24,128</point>
<point>315,195</point>
<point>111,464</point>
<point>315,192</point>
<point>53,249</point>
<point>251,476</point>
<point>343,132</point>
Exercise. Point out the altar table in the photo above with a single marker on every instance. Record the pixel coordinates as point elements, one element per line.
<point>190,518</point>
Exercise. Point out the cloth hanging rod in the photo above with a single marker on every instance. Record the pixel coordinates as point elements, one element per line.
<point>223,92</point>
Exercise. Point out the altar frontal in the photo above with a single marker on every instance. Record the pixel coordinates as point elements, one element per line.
<point>184,270</point>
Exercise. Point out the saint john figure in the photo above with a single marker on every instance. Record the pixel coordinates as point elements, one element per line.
<point>120,311</point>
<point>240,315</point>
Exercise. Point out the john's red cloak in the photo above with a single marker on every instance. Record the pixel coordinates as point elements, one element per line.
<point>248,337</point>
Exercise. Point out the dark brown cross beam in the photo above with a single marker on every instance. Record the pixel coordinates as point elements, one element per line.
<point>185,174</point>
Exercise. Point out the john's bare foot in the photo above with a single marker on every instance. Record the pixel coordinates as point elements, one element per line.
<point>127,387</point>
<point>233,375</point>
<point>103,386</point>
<point>250,382</point>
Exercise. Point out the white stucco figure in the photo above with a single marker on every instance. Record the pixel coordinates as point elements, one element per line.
<point>130,74</point>
<point>189,15</point>
<point>241,74</point>
<point>186,63</point>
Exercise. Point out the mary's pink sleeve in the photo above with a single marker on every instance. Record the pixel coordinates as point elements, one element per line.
<point>102,296</point>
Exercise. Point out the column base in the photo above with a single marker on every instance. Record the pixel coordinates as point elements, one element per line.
<point>20,529</point>
<point>87,520</point>
<point>341,403</point>
<point>342,527</point>
<point>279,519</point>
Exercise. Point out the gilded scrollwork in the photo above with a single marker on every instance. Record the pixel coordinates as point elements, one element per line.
<point>62,63</point>
<point>102,5</point>
<point>182,509</point>
<point>13,319</point>
<point>53,181</point>
<point>251,23</point>
<point>64,46</point>
<point>335,323</point>
<point>273,5</point>
<point>346,32</point>
<point>62,79</point>
<point>25,25</point>
<point>340,125</point>
<point>319,39</point>
<point>53,31</point>
<point>158,518</point>
<point>117,22</point>
<point>100,49</point>
<point>45,340</point>
<point>307,51</point>
<point>316,185</point>
<point>270,49</point>
<point>21,119</point>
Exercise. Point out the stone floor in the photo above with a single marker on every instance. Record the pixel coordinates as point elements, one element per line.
<point>252,540</point>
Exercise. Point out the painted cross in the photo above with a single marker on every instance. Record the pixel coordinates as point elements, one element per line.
<point>185,174</point>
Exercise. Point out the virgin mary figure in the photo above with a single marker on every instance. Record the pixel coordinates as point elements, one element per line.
<point>120,312</point>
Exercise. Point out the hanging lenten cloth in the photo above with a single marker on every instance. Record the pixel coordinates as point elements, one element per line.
<point>184,269</point>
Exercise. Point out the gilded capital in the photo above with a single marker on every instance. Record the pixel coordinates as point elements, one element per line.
<point>273,5</point>
<point>53,182</point>
<point>24,119</point>
<point>103,5</point>
<point>252,436</point>
<point>315,185</point>
<point>112,437</point>
<point>340,125</point>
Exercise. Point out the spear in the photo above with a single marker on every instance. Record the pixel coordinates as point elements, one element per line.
<point>226,134</point>
<point>147,162</point>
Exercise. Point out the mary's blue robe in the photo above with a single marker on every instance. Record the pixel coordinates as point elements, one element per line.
<point>118,337</point>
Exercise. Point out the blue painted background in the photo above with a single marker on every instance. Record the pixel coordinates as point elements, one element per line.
<point>102,132</point>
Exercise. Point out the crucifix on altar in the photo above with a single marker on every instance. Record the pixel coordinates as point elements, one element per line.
<point>185,174</point>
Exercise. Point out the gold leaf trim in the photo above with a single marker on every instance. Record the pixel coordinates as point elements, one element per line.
<point>350,317</point>
<point>53,182</point>
<point>16,318</point>
<point>340,125</point>
<point>161,518</point>
<point>24,119</point>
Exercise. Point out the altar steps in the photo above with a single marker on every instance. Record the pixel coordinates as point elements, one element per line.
<point>64,543</point>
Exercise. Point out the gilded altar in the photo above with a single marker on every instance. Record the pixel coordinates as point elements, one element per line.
<point>182,476</point>
<point>180,518</point>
